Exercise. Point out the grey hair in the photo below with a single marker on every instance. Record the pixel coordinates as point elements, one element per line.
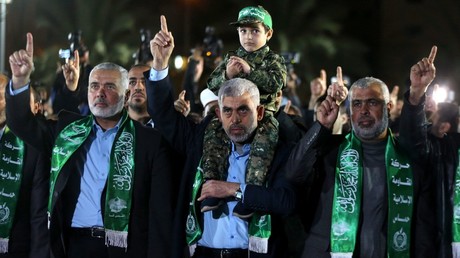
<point>238,87</point>
<point>365,83</point>
<point>114,67</point>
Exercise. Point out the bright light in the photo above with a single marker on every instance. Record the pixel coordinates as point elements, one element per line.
<point>178,62</point>
<point>440,95</point>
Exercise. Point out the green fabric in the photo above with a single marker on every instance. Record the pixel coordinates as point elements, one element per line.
<point>120,177</point>
<point>193,230</point>
<point>11,164</point>
<point>259,226</point>
<point>253,14</point>
<point>456,215</point>
<point>348,196</point>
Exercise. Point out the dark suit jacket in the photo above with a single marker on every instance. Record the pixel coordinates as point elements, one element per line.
<point>29,234</point>
<point>311,167</point>
<point>187,138</point>
<point>152,205</point>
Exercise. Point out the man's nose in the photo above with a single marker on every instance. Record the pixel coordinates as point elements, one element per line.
<point>100,92</point>
<point>140,84</point>
<point>235,118</point>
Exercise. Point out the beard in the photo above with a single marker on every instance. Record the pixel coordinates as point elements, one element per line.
<point>138,107</point>
<point>246,132</point>
<point>371,133</point>
<point>106,112</point>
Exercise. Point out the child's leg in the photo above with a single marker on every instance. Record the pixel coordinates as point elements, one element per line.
<point>216,148</point>
<point>262,150</point>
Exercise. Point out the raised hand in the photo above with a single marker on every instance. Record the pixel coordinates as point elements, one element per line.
<point>317,89</point>
<point>233,68</point>
<point>327,112</point>
<point>162,46</point>
<point>394,112</point>
<point>421,75</point>
<point>22,63</point>
<point>318,85</point>
<point>337,90</point>
<point>181,105</point>
<point>245,67</point>
<point>71,71</point>
<point>287,107</point>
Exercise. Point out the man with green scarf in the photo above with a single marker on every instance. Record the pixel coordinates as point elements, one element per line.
<point>220,233</point>
<point>110,189</point>
<point>24,183</point>
<point>441,156</point>
<point>368,197</point>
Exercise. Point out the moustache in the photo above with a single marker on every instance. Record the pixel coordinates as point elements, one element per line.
<point>99,101</point>
<point>138,92</point>
<point>365,119</point>
<point>237,127</point>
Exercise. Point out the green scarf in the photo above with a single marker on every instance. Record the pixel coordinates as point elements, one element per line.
<point>120,178</point>
<point>11,163</point>
<point>259,226</point>
<point>456,216</point>
<point>347,199</point>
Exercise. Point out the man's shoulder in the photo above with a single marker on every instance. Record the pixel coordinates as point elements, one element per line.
<point>66,117</point>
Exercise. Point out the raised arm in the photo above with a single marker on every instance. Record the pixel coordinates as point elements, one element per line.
<point>162,46</point>
<point>413,126</point>
<point>22,64</point>
<point>421,75</point>
<point>19,117</point>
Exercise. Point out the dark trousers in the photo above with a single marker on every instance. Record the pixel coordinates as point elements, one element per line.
<point>86,246</point>
<point>204,252</point>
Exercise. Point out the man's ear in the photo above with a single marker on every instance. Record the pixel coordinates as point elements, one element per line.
<point>444,127</point>
<point>218,114</point>
<point>260,112</point>
<point>390,106</point>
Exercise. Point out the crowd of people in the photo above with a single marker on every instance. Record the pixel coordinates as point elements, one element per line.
<point>356,172</point>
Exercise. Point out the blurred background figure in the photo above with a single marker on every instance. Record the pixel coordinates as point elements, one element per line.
<point>143,54</point>
<point>209,101</point>
<point>61,97</point>
<point>204,58</point>
<point>293,81</point>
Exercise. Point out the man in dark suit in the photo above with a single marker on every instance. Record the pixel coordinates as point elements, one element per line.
<point>110,176</point>
<point>368,196</point>
<point>221,233</point>
<point>25,186</point>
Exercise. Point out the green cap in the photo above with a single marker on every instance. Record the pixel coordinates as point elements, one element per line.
<point>251,14</point>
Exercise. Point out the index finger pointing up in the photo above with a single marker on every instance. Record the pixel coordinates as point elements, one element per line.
<point>323,75</point>
<point>432,56</point>
<point>339,74</point>
<point>164,24</point>
<point>30,44</point>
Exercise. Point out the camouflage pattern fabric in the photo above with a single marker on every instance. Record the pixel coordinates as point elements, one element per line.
<point>217,147</point>
<point>268,73</point>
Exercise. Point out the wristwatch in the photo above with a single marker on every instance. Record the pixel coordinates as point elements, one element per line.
<point>238,195</point>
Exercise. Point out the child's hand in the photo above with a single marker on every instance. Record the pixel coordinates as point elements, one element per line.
<point>245,67</point>
<point>233,68</point>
